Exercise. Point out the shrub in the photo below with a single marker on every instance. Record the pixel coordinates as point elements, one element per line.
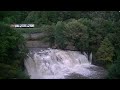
<point>114,70</point>
<point>106,51</point>
<point>12,51</point>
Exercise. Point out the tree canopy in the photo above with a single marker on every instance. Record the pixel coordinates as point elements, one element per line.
<point>89,31</point>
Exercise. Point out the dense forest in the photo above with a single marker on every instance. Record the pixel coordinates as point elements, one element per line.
<point>89,31</point>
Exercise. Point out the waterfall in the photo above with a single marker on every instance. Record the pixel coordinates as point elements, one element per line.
<point>56,64</point>
<point>85,54</point>
<point>90,58</point>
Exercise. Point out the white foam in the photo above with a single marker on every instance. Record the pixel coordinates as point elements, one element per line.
<point>56,64</point>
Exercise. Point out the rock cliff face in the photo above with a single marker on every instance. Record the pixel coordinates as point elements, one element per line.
<point>34,40</point>
<point>37,44</point>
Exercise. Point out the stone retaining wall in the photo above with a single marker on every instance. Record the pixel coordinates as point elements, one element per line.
<point>37,44</point>
<point>33,41</point>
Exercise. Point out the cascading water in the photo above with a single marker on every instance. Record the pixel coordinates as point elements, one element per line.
<point>90,58</point>
<point>57,64</point>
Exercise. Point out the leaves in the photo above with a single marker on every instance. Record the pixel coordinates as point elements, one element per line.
<point>106,51</point>
<point>12,52</point>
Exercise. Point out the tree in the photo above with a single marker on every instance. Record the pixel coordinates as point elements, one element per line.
<point>12,52</point>
<point>52,16</point>
<point>32,17</point>
<point>49,34</point>
<point>77,34</point>
<point>114,70</point>
<point>60,39</point>
<point>105,52</point>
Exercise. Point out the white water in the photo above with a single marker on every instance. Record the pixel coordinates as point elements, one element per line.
<point>90,58</point>
<point>56,64</point>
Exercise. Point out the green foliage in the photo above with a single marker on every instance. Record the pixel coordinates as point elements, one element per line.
<point>60,39</point>
<point>49,37</point>
<point>38,18</point>
<point>114,70</point>
<point>28,30</point>
<point>9,17</point>
<point>11,72</point>
<point>64,33</point>
<point>55,34</point>
<point>32,17</point>
<point>12,51</point>
<point>75,29</point>
<point>91,31</point>
<point>106,51</point>
<point>77,33</point>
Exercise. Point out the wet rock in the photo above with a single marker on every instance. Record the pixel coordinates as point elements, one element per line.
<point>75,76</point>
